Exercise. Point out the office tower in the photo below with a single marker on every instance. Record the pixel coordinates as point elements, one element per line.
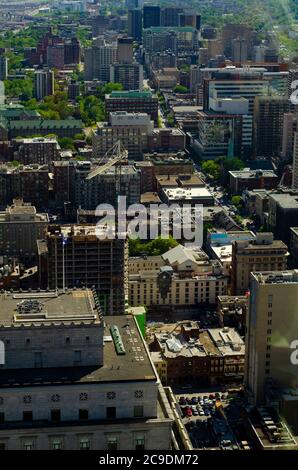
<point>98,59</point>
<point>269,114</point>
<point>215,47</point>
<point>125,50</point>
<point>151,16</point>
<point>131,128</point>
<point>239,50</point>
<point>232,31</point>
<point>162,60</point>
<point>169,16</point>
<point>261,254</point>
<point>64,182</point>
<point>3,67</point>
<point>290,126</point>
<point>135,19</point>
<point>20,227</point>
<point>190,18</point>
<point>44,84</point>
<point>272,326</point>
<point>72,51</point>
<point>203,56</point>
<point>160,40</point>
<point>295,162</point>
<point>56,56</point>
<point>88,261</point>
<point>39,150</point>
<point>292,81</point>
<point>133,101</point>
<point>129,75</point>
<point>75,380</point>
<point>235,82</point>
<point>99,25</point>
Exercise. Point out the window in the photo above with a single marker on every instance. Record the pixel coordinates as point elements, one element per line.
<point>27,416</point>
<point>56,444</point>
<point>2,417</point>
<point>27,399</point>
<point>77,358</point>
<point>138,411</point>
<point>83,396</point>
<point>112,443</point>
<point>28,445</point>
<point>2,446</point>
<point>55,415</point>
<point>83,414</point>
<point>111,395</point>
<point>37,359</point>
<point>111,412</point>
<point>140,443</point>
<point>139,394</point>
<point>84,444</point>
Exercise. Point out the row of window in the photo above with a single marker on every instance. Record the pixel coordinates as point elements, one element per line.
<point>57,443</point>
<point>83,414</point>
<point>82,397</point>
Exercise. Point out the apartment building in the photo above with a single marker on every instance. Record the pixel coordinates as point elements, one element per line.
<point>133,102</point>
<point>20,227</point>
<point>73,378</point>
<point>263,253</point>
<point>38,150</point>
<point>131,129</point>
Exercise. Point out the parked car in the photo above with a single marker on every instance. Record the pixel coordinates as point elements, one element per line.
<point>182,401</point>
<point>188,412</point>
<point>188,400</point>
<point>201,413</point>
<point>211,396</point>
<point>207,413</point>
<point>194,400</point>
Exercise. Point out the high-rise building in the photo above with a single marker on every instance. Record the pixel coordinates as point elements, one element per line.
<point>239,50</point>
<point>135,19</point>
<point>125,50</point>
<point>295,161</point>
<point>40,150</point>
<point>44,84</point>
<point>98,59</point>
<point>290,126</point>
<point>133,101</point>
<point>56,55</point>
<point>100,24</point>
<point>77,382</point>
<point>129,75</point>
<point>190,18</point>
<point>272,327</point>
<point>261,254</point>
<point>72,51</point>
<point>20,227</point>
<point>77,257</point>
<point>268,121</point>
<point>151,16</point>
<point>131,128</point>
<point>3,67</point>
<point>170,16</point>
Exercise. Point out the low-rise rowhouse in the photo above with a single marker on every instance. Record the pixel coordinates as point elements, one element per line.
<point>186,354</point>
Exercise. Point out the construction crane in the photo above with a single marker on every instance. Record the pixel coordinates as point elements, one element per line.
<point>113,157</point>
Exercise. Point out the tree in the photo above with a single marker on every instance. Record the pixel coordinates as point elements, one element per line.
<point>66,143</point>
<point>211,168</point>
<point>180,89</point>
<point>237,201</point>
<point>153,248</point>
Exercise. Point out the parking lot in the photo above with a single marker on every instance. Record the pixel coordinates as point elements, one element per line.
<point>205,416</point>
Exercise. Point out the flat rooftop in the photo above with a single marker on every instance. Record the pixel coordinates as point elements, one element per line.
<point>276,277</point>
<point>247,173</point>
<point>39,308</point>
<point>285,200</point>
<point>134,366</point>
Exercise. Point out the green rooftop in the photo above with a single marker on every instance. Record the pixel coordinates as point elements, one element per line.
<point>131,94</point>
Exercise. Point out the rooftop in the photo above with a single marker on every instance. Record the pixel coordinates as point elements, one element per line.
<point>134,365</point>
<point>247,173</point>
<point>276,277</point>
<point>39,308</point>
<point>130,95</point>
